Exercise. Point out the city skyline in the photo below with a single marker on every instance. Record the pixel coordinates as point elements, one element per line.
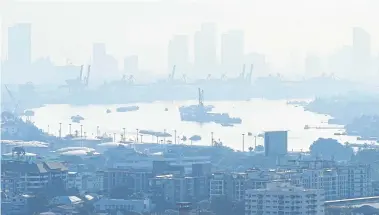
<point>321,38</point>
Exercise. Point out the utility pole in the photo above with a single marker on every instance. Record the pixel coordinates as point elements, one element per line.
<point>81,131</point>
<point>255,142</point>
<point>60,130</point>
<point>137,134</point>
<point>48,129</point>
<point>212,138</point>
<point>243,142</point>
<point>98,131</point>
<point>69,129</point>
<point>164,137</point>
<point>124,134</point>
<point>175,136</point>
<point>114,137</point>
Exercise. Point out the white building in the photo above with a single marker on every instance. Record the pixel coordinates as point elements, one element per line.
<point>338,181</point>
<point>282,198</point>
<point>138,206</point>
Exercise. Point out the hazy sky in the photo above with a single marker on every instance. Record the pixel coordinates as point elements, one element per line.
<point>67,29</point>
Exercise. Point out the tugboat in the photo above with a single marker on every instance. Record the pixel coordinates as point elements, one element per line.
<point>202,114</point>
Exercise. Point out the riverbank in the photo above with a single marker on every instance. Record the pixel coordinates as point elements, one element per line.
<point>358,114</point>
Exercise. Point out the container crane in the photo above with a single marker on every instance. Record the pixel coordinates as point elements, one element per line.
<point>172,75</point>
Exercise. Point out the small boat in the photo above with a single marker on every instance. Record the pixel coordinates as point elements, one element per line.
<point>127,109</point>
<point>226,125</point>
<point>109,111</point>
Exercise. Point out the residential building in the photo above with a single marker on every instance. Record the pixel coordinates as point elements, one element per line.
<point>174,189</point>
<point>137,180</point>
<point>283,198</point>
<point>18,177</point>
<point>230,185</point>
<point>337,181</point>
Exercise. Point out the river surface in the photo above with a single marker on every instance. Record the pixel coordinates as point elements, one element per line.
<point>257,116</point>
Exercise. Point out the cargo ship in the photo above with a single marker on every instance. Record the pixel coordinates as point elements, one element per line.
<point>202,114</point>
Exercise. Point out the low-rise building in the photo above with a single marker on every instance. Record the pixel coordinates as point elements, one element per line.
<point>134,205</point>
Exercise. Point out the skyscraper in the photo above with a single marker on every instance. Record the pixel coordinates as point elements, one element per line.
<point>19,45</point>
<point>131,65</point>
<point>98,53</point>
<point>361,52</point>
<point>178,53</point>
<point>312,65</point>
<point>205,50</point>
<point>232,52</point>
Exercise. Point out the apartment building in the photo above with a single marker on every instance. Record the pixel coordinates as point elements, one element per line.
<point>18,177</point>
<point>138,180</point>
<point>338,181</point>
<point>173,189</point>
<point>86,181</point>
<point>231,185</point>
<point>282,198</point>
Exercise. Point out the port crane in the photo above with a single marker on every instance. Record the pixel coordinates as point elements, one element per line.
<point>80,82</point>
<point>16,103</point>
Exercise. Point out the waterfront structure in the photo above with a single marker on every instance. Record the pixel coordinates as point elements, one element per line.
<point>275,143</point>
<point>283,198</point>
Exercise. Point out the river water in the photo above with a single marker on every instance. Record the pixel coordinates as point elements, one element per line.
<point>257,116</point>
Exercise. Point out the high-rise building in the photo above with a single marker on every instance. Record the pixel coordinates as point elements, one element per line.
<point>19,45</point>
<point>282,198</point>
<point>361,52</point>
<point>103,64</point>
<point>276,143</point>
<point>205,50</point>
<point>98,53</point>
<point>131,64</point>
<point>232,51</point>
<point>312,65</point>
<point>178,53</point>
